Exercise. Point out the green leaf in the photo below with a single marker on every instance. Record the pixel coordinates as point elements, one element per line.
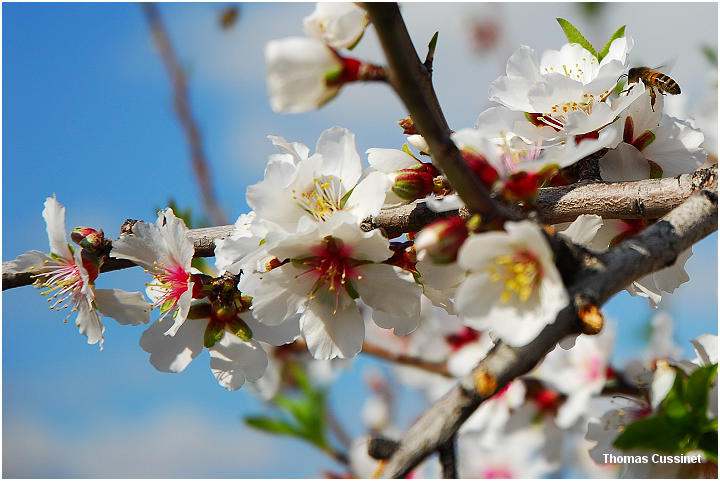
<point>709,445</point>
<point>710,54</point>
<point>620,32</point>
<point>574,36</point>
<point>213,333</point>
<point>674,405</point>
<point>271,425</point>
<point>697,389</point>
<point>655,433</point>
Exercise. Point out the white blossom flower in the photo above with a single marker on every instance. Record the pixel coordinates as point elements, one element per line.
<point>517,454</point>
<point>299,191</point>
<point>165,252</point>
<point>329,267</point>
<point>600,234</point>
<point>340,25</point>
<point>302,74</point>
<point>568,87</point>
<point>513,286</point>
<point>580,373</point>
<point>232,359</point>
<point>64,275</point>
<point>673,145</point>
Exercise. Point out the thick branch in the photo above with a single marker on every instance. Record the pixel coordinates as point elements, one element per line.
<point>182,108</point>
<point>651,250</point>
<point>644,199</point>
<point>625,200</point>
<point>412,81</point>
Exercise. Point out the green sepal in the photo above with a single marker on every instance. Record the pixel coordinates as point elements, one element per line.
<point>620,32</point>
<point>574,36</point>
<point>656,172</point>
<point>213,333</point>
<point>240,329</point>
<point>200,310</point>
<point>167,306</point>
<point>350,289</point>
<point>333,75</point>
<point>346,197</point>
<point>710,54</point>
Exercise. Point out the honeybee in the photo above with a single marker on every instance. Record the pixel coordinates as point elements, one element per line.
<point>652,80</point>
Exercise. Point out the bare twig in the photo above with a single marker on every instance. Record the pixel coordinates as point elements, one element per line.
<point>337,428</point>
<point>653,249</point>
<point>184,113</point>
<point>434,367</point>
<point>411,80</point>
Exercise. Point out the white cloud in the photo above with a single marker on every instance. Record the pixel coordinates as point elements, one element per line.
<point>179,443</point>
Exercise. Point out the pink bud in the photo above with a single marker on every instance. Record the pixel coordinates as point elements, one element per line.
<point>415,183</point>
<point>441,239</point>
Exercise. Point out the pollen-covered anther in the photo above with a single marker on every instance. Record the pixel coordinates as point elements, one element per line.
<point>321,200</point>
<point>520,274</point>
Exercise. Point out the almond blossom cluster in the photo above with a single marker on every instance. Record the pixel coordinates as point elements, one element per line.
<point>298,269</point>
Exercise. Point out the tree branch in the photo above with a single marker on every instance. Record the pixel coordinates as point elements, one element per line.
<point>448,459</point>
<point>182,108</point>
<point>625,200</point>
<point>653,249</point>
<point>643,199</point>
<point>412,81</point>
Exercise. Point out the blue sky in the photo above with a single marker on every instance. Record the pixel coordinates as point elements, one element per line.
<point>87,115</point>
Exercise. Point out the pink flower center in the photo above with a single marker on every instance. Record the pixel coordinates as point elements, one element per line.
<point>64,281</point>
<point>594,368</point>
<point>462,338</point>
<point>333,268</point>
<point>169,283</point>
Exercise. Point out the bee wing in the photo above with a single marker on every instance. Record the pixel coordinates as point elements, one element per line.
<point>667,66</point>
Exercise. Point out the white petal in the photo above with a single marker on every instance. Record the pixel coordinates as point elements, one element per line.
<point>445,203</point>
<point>329,335</point>
<point>401,325</point>
<point>276,335</point>
<point>181,310</point>
<point>54,215</point>
<point>125,307</point>
<point>583,229</point>
<point>178,246</point>
<point>276,299</point>
<point>173,353</point>
<point>390,289</point>
<point>706,347</point>
<point>661,384</point>
<point>233,361</point>
<point>676,148</point>
<point>480,249</point>
<point>31,261</point>
<point>340,157</point>
<point>368,196</point>
<point>624,163</point>
<point>390,160</point>
<point>672,277</point>
<point>144,247</point>
<point>88,323</point>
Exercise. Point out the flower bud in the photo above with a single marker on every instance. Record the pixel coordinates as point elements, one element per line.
<point>415,183</point>
<point>418,141</point>
<point>441,240</point>
<point>88,238</point>
<point>482,169</point>
<point>521,186</point>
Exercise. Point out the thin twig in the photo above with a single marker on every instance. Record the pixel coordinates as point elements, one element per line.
<point>412,82</point>
<point>602,276</point>
<point>434,367</point>
<point>184,113</point>
<point>337,428</point>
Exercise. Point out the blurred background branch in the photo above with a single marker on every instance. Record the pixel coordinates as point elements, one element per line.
<point>182,109</point>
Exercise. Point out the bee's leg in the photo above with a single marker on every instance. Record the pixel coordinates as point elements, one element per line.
<point>626,90</point>
<point>652,98</point>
